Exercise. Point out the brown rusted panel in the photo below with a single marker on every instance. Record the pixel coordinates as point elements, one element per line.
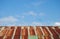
<point>18,31</point>
<point>24,37</point>
<point>9,37</point>
<point>2,33</point>
<point>9,34</point>
<point>16,37</point>
<point>38,31</point>
<point>31,30</point>
<point>1,37</point>
<point>45,31</point>
<point>47,37</point>
<point>12,27</point>
<point>57,30</point>
<point>40,37</point>
<point>52,31</point>
<point>25,31</point>
<point>56,37</point>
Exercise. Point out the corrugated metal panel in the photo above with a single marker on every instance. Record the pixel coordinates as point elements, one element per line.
<point>30,32</point>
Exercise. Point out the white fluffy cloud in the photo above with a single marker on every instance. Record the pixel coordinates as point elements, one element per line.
<point>57,23</point>
<point>10,20</point>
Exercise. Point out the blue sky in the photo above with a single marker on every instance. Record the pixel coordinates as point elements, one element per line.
<point>29,12</point>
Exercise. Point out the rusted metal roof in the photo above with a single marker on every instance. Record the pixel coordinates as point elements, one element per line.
<point>29,32</point>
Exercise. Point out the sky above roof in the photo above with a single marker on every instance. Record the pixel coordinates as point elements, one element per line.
<point>29,12</point>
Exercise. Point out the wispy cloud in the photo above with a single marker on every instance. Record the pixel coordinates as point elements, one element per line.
<point>32,13</point>
<point>10,20</point>
<point>42,14</point>
<point>36,23</point>
<point>37,3</point>
<point>18,16</point>
<point>18,19</point>
<point>57,23</point>
<point>31,24</point>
